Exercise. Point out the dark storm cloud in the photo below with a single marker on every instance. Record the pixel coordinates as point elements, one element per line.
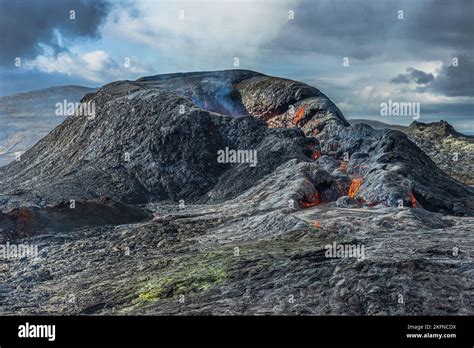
<point>401,78</point>
<point>363,29</point>
<point>25,24</point>
<point>443,23</point>
<point>337,27</point>
<point>455,81</point>
<point>414,75</point>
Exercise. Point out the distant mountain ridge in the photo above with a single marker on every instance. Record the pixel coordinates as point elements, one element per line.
<point>41,102</point>
<point>377,124</point>
<point>27,117</point>
<point>440,126</point>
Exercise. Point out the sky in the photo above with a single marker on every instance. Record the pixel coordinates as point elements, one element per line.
<point>360,53</point>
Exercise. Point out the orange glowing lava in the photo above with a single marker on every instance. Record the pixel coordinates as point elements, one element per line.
<point>310,200</point>
<point>299,114</point>
<point>316,154</point>
<point>413,200</point>
<point>355,184</point>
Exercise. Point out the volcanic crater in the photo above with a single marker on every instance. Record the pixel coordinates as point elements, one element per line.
<point>143,176</point>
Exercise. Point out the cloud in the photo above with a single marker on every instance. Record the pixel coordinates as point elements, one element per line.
<point>364,29</point>
<point>455,81</point>
<point>26,24</point>
<point>413,75</point>
<point>439,25</point>
<point>195,35</point>
<point>309,47</point>
<point>452,80</point>
<point>96,66</point>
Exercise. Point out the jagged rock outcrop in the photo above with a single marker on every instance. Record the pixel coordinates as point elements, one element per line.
<point>452,151</point>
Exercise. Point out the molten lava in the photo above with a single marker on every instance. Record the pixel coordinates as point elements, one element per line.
<point>310,200</point>
<point>316,154</point>
<point>299,114</point>
<point>413,200</point>
<point>355,184</point>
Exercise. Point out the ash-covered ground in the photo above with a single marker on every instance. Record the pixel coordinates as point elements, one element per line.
<point>133,211</point>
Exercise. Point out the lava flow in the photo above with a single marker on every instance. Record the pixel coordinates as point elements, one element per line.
<point>310,200</point>
<point>355,184</point>
<point>316,154</point>
<point>413,200</point>
<point>299,114</point>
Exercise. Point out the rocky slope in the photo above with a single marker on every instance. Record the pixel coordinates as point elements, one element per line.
<point>132,210</point>
<point>193,262</point>
<point>450,150</point>
<point>172,144</point>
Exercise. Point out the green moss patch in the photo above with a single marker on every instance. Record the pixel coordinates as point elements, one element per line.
<point>191,275</point>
